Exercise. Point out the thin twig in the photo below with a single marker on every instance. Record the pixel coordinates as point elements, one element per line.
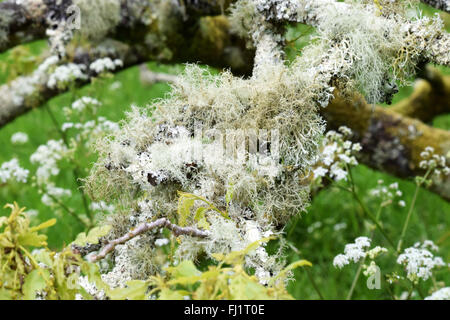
<point>144,227</point>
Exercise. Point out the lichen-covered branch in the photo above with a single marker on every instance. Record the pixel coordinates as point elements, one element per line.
<point>21,22</point>
<point>419,37</point>
<point>391,142</point>
<point>209,41</point>
<point>145,227</point>
<point>430,98</point>
<point>443,5</point>
<point>371,126</point>
<point>27,20</point>
<point>149,77</point>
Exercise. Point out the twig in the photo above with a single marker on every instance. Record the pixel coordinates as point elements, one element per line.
<point>149,77</point>
<point>144,227</point>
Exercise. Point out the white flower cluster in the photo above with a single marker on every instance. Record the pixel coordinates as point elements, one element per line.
<point>388,194</point>
<point>354,252</point>
<point>53,192</point>
<point>441,294</point>
<point>419,262</point>
<point>434,162</point>
<point>12,170</point>
<point>91,130</point>
<point>47,157</point>
<point>19,138</point>
<point>65,74</point>
<point>336,154</point>
<point>161,242</point>
<point>21,88</point>
<point>105,64</point>
<point>80,104</point>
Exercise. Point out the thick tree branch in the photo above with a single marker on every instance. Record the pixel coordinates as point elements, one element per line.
<point>430,98</point>
<point>207,41</point>
<point>144,227</point>
<point>443,5</point>
<point>391,142</point>
<point>428,41</point>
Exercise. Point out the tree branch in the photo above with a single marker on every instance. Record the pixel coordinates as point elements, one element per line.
<point>144,227</point>
<point>391,142</point>
<point>443,5</point>
<point>208,41</point>
<point>430,98</point>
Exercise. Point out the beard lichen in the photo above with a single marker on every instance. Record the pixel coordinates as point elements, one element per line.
<point>182,143</point>
<point>200,139</point>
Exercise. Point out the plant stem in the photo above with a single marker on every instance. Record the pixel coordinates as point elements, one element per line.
<point>311,278</point>
<point>410,211</point>
<point>76,167</point>
<point>366,210</point>
<point>355,280</point>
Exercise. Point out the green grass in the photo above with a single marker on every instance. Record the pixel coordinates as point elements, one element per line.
<point>430,220</point>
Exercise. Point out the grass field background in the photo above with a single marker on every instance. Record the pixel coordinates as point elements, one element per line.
<point>313,236</point>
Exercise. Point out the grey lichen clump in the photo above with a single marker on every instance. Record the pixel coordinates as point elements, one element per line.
<point>155,155</point>
<point>6,17</point>
<point>98,17</point>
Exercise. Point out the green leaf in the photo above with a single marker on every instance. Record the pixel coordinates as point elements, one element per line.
<point>237,257</point>
<point>294,265</point>
<point>167,294</point>
<point>43,256</point>
<point>185,203</point>
<point>243,288</point>
<point>5,294</point>
<point>34,281</point>
<point>93,235</point>
<point>184,269</point>
<point>33,239</point>
<point>44,225</point>
<point>135,290</point>
<point>229,194</point>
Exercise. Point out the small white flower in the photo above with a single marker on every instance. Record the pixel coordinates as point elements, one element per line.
<point>19,138</point>
<point>340,261</point>
<point>319,172</point>
<point>161,242</point>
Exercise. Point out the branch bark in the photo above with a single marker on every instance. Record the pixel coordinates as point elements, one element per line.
<point>144,227</point>
<point>391,142</point>
<point>430,98</point>
<point>208,40</point>
<point>443,5</point>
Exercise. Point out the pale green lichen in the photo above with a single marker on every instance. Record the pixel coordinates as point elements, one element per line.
<point>6,16</point>
<point>98,18</point>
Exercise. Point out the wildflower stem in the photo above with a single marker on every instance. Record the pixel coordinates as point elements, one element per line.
<point>311,278</point>
<point>355,280</point>
<point>144,227</point>
<point>411,208</point>
<point>68,210</point>
<point>366,210</point>
<point>76,167</point>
